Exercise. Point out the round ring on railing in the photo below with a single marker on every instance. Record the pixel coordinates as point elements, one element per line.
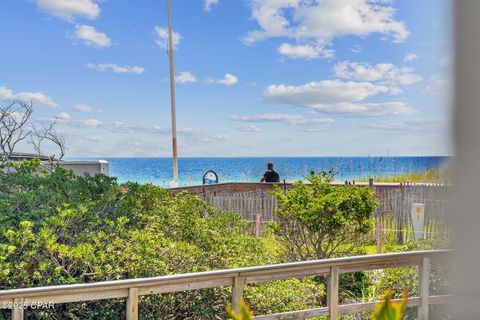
<point>210,177</point>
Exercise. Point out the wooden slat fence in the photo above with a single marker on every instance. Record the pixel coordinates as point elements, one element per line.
<point>396,203</point>
<point>393,212</point>
<point>247,204</point>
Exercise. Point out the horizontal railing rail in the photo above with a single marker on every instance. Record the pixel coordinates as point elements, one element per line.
<point>131,289</point>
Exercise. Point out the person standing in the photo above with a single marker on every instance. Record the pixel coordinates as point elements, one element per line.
<point>270,175</point>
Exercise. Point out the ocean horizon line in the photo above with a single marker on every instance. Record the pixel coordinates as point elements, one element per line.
<point>260,157</point>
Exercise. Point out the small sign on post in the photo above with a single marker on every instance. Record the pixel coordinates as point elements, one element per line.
<point>418,221</point>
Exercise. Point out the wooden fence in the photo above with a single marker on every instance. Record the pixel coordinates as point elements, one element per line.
<point>393,212</point>
<point>131,289</point>
<point>247,204</point>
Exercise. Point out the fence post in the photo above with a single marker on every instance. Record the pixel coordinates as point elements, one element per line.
<point>378,235</point>
<point>132,304</point>
<point>332,293</point>
<point>263,202</point>
<point>237,292</point>
<point>400,214</point>
<point>423,288</point>
<point>258,224</point>
<point>17,311</point>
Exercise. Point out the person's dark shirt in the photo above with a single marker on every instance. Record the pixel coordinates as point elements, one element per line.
<point>271,176</point>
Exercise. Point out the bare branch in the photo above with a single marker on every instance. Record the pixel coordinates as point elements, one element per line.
<point>15,127</point>
<point>49,134</point>
<point>13,120</point>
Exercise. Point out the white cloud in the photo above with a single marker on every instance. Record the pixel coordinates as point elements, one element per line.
<point>392,108</point>
<point>114,126</point>
<point>83,108</point>
<point>337,97</point>
<point>414,125</point>
<point>326,91</point>
<point>269,15</point>
<point>70,9</point>
<point>119,127</point>
<point>116,68</point>
<point>228,80</point>
<point>248,128</point>
<point>208,4</point>
<point>291,119</point>
<point>124,127</point>
<point>356,49</point>
<point>185,77</point>
<point>92,37</point>
<point>194,135</point>
<point>162,38</point>
<point>385,73</point>
<point>438,86</point>
<point>304,51</point>
<point>319,22</point>
<point>27,97</point>
<point>88,123</point>
<point>410,57</point>
<point>63,116</point>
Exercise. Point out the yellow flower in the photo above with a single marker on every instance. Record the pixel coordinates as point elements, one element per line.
<point>245,312</point>
<point>390,310</point>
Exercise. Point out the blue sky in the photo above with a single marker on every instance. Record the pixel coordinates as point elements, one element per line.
<point>254,77</point>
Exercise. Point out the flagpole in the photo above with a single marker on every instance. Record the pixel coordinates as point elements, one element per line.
<point>172,97</point>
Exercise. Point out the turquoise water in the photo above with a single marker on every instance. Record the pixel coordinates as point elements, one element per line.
<point>159,170</point>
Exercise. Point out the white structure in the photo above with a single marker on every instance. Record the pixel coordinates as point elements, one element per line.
<point>83,167</point>
<point>79,167</point>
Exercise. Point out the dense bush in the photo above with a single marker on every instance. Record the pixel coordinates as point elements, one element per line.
<point>399,280</point>
<point>319,220</point>
<point>56,228</point>
<point>271,297</point>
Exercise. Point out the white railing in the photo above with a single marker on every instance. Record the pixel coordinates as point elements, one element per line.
<point>131,289</point>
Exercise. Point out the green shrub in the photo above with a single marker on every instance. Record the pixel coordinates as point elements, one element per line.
<point>398,280</point>
<point>320,220</point>
<point>56,228</point>
<point>285,295</point>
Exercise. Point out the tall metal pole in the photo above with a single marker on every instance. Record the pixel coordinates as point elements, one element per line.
<point>172,96</point>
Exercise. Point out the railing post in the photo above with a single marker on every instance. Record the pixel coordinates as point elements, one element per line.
<point>132,304</point>
<point>17,311</point>
<point>423,288</point>
<point>332,293</point>
<point>237,292</point>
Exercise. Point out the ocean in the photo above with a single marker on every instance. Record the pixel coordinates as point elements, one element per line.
<point>250,169</point>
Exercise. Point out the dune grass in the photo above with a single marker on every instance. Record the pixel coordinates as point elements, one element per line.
<point>433,176</point>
